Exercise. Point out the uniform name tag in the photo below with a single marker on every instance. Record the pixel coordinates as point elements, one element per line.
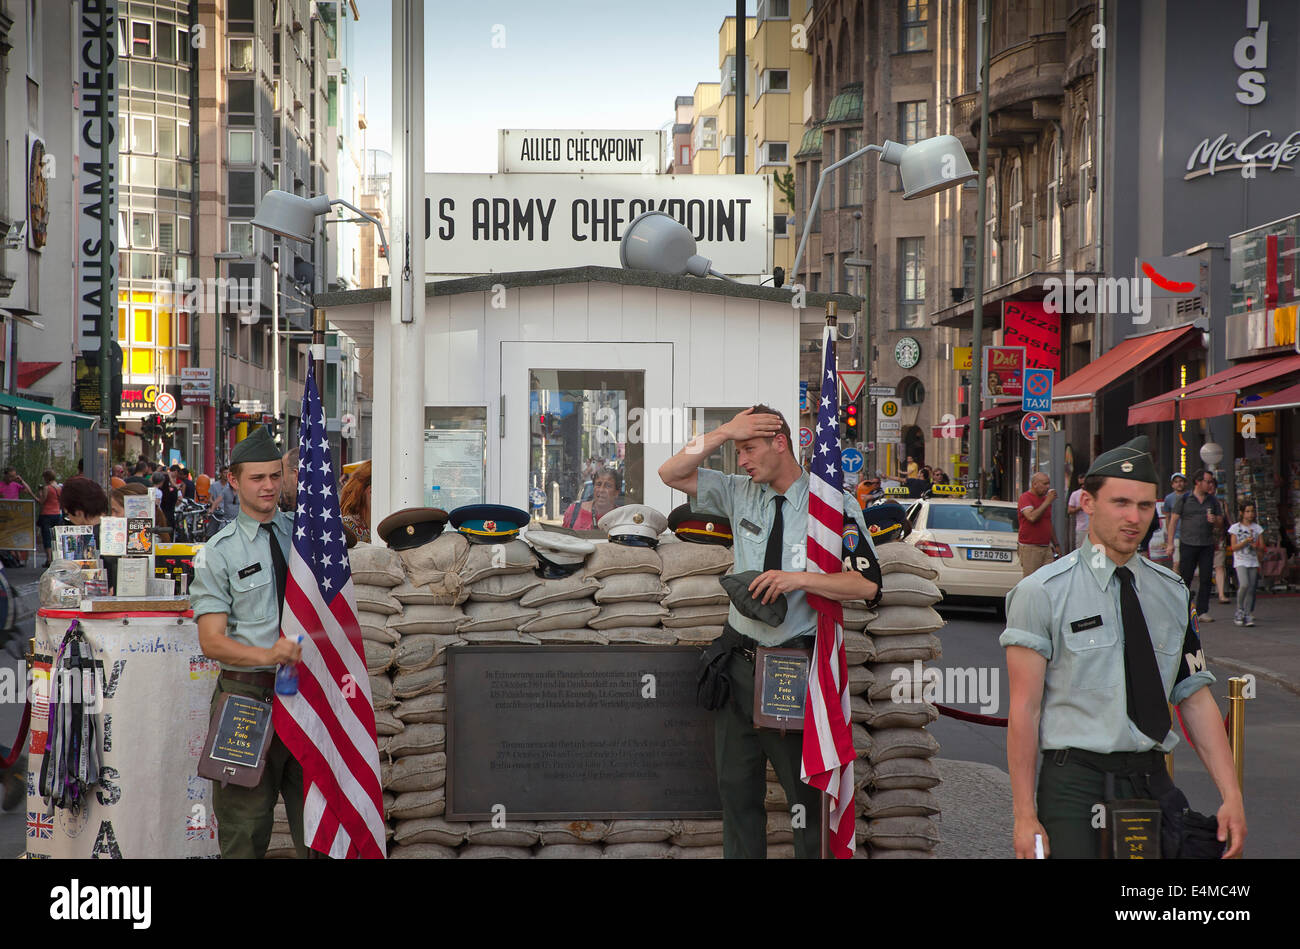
<point>249,571</point>
<point>1080,625</point>
<point>750,526</point>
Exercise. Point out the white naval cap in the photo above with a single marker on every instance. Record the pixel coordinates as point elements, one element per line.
<point>633,520</point>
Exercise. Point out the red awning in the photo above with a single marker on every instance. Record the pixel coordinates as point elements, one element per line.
<point>958,428</point>
<point>1213,395</point>
<point>1075,393</point>
<point>1286,399</point>
<point>29,373</point>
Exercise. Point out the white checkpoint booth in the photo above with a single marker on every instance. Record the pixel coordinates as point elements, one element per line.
<point>150,801</point>
<point>535,379</point>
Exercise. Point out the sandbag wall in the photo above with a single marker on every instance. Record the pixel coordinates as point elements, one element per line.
<point>413,604</point>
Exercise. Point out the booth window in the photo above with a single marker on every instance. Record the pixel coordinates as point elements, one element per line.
<point>455,455</point>
<point>581,424</point>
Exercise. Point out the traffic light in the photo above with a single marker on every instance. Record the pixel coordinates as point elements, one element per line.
<point>229,410</point>
<point>852,420</point>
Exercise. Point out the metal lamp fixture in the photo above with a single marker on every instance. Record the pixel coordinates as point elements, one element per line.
<point>294,217</point>
<point>657,242</point>
<point>926,167</point>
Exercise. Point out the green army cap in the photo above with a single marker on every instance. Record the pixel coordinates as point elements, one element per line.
<point>1131,460</point>
<point>259,446</point>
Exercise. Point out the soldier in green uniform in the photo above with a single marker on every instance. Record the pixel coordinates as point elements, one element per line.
<point>768,510</point>
<point>237,598</point>
<point>1097,644</point>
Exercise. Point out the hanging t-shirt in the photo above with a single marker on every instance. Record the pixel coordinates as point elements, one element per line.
<point>1247,556</point>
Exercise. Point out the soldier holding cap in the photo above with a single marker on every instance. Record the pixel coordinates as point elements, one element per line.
<point>1097,644</point>
<point>768,510</point>
<point>238,596</point>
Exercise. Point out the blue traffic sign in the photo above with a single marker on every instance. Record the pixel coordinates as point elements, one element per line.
<point>1036,395</point>
<point>1031,424</point>
<point>851,460</point>
<point>803,396</point>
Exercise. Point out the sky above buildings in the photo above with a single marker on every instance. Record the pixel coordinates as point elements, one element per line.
<point>579,64</point>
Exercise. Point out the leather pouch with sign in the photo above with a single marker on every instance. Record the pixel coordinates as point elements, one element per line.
<point>780,687</point>
<point>737,587</point>
<point>239,737</point>
<point>1132,826</point>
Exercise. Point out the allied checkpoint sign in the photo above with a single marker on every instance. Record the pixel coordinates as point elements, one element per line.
<point>584,151</point>
<point>480,224</point>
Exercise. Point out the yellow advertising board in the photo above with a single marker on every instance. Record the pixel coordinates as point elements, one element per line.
<point>17,524</point>
<point>961,358</point>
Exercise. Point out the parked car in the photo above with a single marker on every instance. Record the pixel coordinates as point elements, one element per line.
<point>971,543</point>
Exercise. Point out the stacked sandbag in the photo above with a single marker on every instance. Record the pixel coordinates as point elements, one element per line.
<point>416,603</point>
<point>895,797</point>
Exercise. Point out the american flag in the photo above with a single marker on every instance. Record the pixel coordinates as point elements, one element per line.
<point>827,739</point>
<point>40,826</point>
<point>329,726</point>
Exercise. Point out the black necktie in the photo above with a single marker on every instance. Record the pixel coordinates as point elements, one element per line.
<point>1148,706</point>
<point>772,556</point>
<point>281,565</point>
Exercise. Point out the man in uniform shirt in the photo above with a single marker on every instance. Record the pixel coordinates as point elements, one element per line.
<point>237,598</point>
<point>768,510</point>
<point>1097,644</point>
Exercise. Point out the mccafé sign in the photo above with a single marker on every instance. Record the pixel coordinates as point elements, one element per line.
<point>1261,150</point>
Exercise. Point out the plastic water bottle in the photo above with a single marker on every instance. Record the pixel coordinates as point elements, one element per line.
<point>286,677</point>
<point>435,496</point>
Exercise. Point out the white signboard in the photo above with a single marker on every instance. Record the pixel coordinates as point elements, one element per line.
<point>455,467</point>
<point>98,170</point>
<point>478,224</point>
<point>582,151</point>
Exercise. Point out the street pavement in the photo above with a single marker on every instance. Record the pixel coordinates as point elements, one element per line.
<point>975,796</point>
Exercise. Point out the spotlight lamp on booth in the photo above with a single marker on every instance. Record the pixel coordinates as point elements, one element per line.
<point>294,217</point>
<point>656,242</point>
<point>926,167</point>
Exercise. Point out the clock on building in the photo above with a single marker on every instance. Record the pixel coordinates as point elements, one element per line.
<point>907,352</point>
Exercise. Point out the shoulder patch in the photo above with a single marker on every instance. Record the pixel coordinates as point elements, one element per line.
<point>851,536</point>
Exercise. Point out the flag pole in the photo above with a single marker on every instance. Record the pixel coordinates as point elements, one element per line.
<point>832,310</point>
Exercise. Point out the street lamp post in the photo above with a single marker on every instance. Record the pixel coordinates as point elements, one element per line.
<point>218,435</point>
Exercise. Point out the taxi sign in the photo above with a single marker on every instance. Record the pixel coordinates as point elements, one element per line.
<point>900,490</point>
<point>948,490</point>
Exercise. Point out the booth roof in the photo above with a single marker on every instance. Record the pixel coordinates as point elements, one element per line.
<point>634,278</point>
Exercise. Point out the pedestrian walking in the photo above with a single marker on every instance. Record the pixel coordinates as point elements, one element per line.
<point>1246,543</point>
<point>1097,646</point>
<point>1037,542</point>
<point>1178,482</point>
<point>1193,520</point>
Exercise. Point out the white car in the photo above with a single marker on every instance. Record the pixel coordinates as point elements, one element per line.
<point>971,543</point>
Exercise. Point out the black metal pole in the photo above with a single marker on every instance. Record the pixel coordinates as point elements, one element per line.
<point>740,87</point>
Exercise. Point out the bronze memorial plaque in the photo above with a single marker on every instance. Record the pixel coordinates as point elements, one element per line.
<point>571,732</point>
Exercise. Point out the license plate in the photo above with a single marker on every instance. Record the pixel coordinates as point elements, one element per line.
<point>999,556</point>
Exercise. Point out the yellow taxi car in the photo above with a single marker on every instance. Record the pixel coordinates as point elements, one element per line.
<point>971,543</point>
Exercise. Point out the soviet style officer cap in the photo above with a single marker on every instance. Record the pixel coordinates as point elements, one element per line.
<point>634,525</point>
<point>1131,460</point>
<point>488,523</point>
<point>411,527</point>
<point>699,528</point>
<point>259,446</point>
<point>737,587</point>
<point>350,536</point>
<point>886,521</point>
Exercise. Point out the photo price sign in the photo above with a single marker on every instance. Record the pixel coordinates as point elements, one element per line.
<point>478,224</point>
